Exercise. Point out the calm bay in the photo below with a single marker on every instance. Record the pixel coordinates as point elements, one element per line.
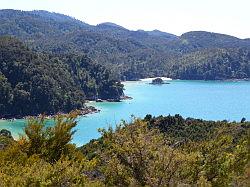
<point>210,100</point>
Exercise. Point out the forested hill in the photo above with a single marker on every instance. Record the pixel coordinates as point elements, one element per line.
<point>212,64</point>
<point>33,82</point>
<point>131,54</point>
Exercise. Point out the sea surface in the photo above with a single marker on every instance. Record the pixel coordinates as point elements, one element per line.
<point>210,100</point>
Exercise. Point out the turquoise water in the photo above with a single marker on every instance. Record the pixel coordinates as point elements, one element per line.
<point>211,100</point>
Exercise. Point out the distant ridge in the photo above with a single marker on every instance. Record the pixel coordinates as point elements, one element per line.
<point>57,16</point>
<point>132,54</point>
<point>110,24</point>
<point>161,34</point>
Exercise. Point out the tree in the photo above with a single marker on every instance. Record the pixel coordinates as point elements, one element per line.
<point>136,155</point>
<point>6,96</point>
<point>45,157</point>
<point>50,143</point>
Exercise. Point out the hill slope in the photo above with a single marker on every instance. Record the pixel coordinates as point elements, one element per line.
<point>130,54</point>
<point>33,83</point>
<point>213,64</point>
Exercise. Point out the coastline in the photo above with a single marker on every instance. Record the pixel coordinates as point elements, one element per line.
<point>173,79</point>
<point>111,113</point>
<point>122,98</point>
<point>148,79</point>
<point>89,109</point>
<point>152,78</point>
<point>84,111</point>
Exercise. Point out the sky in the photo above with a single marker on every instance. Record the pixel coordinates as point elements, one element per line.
<point>174,16</point>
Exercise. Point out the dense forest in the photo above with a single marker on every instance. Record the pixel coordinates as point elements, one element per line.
<point>212,64</point>
<point>33,82</point>
<point>154,151</point>
<point>131,55</point>
<point>51,63</point>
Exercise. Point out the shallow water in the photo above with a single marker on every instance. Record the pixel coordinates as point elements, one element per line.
<point>211,100</point>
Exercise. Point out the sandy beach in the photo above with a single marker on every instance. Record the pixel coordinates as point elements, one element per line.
<point>152,78</point>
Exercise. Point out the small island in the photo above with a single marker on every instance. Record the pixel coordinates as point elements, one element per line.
<point>158,81</point>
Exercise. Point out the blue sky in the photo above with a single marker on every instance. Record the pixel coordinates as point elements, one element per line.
<point>174,16</point>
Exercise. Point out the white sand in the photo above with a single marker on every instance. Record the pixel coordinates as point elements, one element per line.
<point>152,78</point>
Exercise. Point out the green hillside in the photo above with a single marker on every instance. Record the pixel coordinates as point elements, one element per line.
<point>33,82</point>
<point>130,54</point>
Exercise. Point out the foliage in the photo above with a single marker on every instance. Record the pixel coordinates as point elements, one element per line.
<point>132,54</point>
<point>45,157</point>
<point>171,150</point>
<point>140,153</point>
<point>180,129</point>
<point>157,81</point>
<point>56,73</point>
<point>32,83</point>
<point>136,155</point>
<point>5,138</point>
<point>213,64</point>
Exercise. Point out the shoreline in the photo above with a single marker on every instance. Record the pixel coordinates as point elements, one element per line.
<point>91,109</point>
<point>172,79</point>
<point>152,78</point>
<point>84,111</point>
<point>122,98</point>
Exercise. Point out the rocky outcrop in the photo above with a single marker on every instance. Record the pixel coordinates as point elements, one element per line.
<point>157,81</point>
